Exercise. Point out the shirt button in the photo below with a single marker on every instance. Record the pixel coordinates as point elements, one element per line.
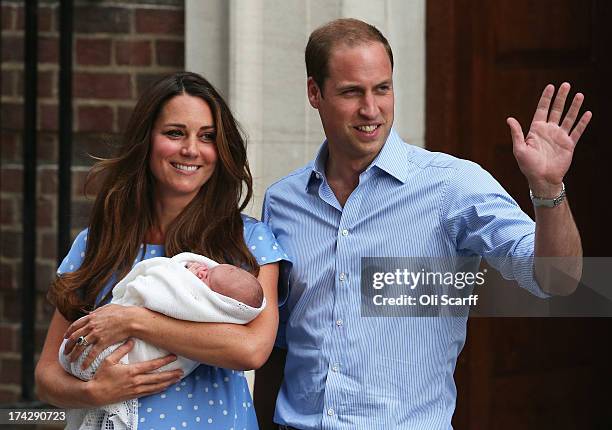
<point>335,367</point>
<point>345,232</point>
<point>317,176</point>
<point>342,276</point>
<point>339,323</point>
<point>330,412</point>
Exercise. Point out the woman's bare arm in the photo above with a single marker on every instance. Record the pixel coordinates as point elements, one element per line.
<point>230,346</point>
<point>113,382</point>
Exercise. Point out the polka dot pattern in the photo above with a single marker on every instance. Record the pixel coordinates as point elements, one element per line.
<point>209,397</point>
<point>262,242</point>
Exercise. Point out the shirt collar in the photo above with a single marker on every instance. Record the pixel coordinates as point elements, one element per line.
<point>318,165</point>
<point>392,159</point>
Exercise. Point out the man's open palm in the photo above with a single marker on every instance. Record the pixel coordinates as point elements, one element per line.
<point>545,154</point>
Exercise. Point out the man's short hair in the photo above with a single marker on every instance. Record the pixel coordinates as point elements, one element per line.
<point>347,31</point>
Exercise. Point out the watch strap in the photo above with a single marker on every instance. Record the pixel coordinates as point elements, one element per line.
<point>548,202</point>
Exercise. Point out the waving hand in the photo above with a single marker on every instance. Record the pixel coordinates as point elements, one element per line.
<point>545,154</point>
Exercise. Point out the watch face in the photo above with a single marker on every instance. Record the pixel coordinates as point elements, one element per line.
<point>548,203</point>
<point>543,203</point>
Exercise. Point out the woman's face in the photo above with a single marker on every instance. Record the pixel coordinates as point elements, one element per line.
<point>183,148</point>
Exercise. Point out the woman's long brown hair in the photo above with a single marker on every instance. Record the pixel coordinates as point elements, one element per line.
<point>122,213</point>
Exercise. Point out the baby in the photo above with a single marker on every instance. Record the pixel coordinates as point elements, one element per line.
<point>188,287</point>
<point>229,281</point>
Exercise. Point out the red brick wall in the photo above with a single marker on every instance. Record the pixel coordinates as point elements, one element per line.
<point>118,50</point>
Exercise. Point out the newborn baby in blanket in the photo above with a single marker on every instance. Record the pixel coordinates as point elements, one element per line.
<point>229,281</point>
<point>188,287</point>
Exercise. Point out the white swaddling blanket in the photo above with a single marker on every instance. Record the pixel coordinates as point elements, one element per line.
<point>162,285</point>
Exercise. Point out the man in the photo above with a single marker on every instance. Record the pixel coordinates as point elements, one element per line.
<point>369,194</point>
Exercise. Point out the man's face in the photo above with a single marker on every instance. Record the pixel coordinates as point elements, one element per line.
<point>356,102</point>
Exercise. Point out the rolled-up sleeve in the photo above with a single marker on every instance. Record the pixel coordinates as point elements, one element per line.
<point>482,219</point>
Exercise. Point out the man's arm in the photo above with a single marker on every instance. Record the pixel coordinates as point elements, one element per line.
<point>544,156</point>
<point>557,236</point>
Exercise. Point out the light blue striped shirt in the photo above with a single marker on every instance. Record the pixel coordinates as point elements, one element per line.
<point>345,371</point>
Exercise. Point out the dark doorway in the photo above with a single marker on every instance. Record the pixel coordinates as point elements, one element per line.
<point>486,61</point>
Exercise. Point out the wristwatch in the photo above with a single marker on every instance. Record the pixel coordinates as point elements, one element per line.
<point>548,203</point>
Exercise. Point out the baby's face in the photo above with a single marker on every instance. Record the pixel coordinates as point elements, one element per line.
<point>229,281</point>
<point>200,270</point>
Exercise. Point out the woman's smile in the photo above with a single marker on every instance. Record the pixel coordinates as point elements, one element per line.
<point>183,148</point>
<point>187,168</point>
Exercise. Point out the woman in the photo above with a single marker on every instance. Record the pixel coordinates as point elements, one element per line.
<point>175,185</point>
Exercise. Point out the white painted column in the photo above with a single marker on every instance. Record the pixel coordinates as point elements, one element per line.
<point>406,34</point>
<point>246,77</point>
<point>207,41</point>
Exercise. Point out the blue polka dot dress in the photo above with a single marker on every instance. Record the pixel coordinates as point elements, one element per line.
<point>209,397</point>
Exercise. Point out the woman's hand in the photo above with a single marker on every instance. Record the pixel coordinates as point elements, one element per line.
<point>105,326</point>
<point>112,383</point>
<point>116,382</point>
